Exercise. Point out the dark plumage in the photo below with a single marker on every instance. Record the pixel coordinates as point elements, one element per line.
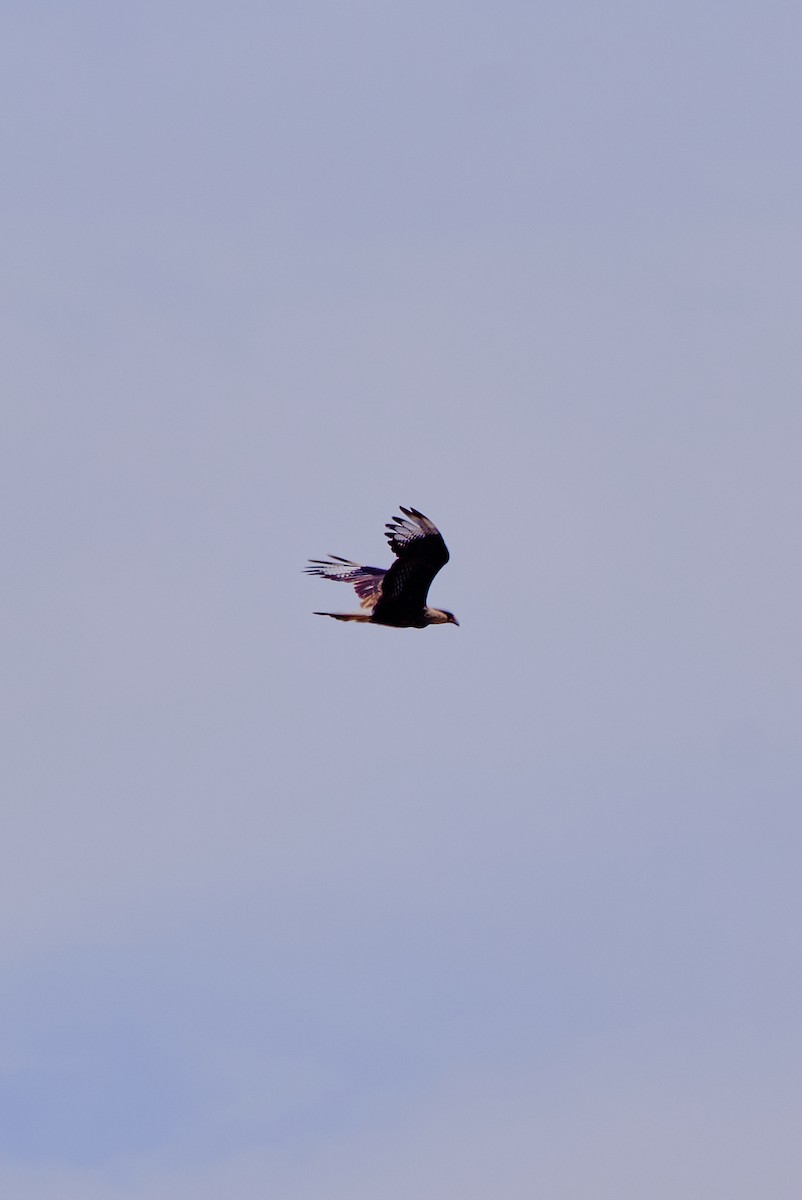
<point>396,596</point>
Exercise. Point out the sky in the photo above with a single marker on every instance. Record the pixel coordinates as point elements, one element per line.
<point>294,909</point>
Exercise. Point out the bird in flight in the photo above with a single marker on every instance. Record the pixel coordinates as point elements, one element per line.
<point>395,596</point>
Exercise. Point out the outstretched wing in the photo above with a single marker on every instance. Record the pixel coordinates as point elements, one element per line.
<point>367,581</point>
<point>420,553</point>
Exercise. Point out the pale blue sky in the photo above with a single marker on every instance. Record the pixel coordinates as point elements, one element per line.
<point>298,910</point>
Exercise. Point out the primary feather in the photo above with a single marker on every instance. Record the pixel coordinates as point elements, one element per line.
<point>367,581</point>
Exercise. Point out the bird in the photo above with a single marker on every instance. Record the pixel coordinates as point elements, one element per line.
<point>395,596</point>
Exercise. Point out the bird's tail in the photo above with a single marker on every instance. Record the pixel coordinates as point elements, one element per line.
<point>344,616</point>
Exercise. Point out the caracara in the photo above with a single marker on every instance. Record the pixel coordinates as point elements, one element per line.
<point>396,596</point>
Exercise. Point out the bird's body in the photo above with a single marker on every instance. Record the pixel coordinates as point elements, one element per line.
<point>395,596</point>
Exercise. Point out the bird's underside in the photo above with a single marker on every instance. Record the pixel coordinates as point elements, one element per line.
<point>395,596</point>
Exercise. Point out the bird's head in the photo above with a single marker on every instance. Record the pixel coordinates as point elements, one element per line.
<point>439,616</point>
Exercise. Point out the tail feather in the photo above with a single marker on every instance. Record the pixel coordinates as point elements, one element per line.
<point>344,616</point>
